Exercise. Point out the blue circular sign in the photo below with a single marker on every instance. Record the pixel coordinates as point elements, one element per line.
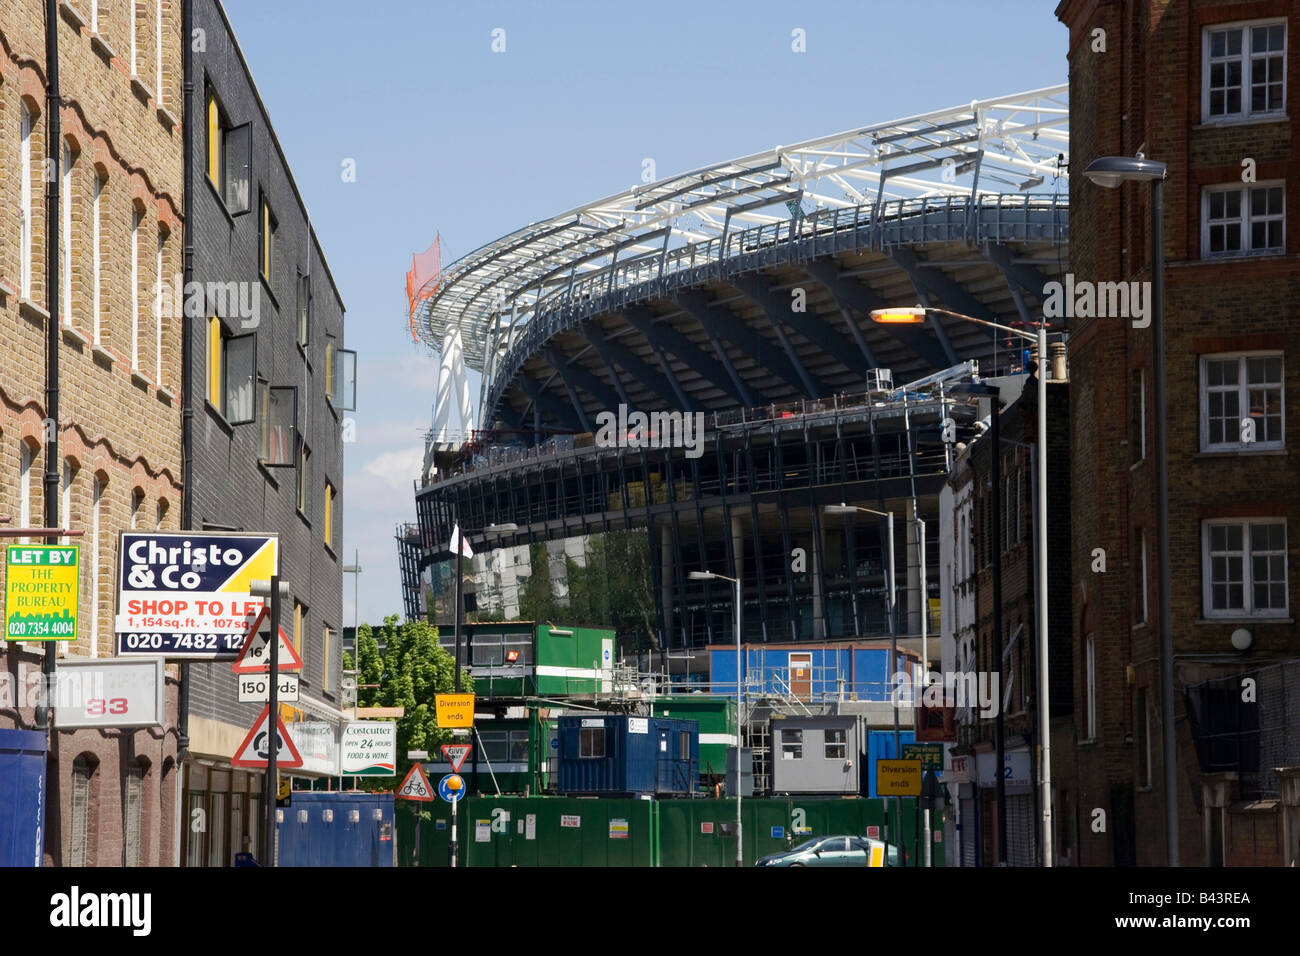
<point>555,743</point>
<point>445,791</point>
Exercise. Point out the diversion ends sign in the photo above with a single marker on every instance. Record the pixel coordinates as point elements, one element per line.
<point>41,592</point>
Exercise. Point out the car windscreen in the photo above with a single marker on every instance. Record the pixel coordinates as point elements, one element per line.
<point>812,844</point>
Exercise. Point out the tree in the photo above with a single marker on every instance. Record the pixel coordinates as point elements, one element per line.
<point>409,670</point>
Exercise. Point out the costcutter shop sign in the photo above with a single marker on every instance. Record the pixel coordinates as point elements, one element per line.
<point>187,595</point>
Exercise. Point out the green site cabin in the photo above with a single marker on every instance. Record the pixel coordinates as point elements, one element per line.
<point>716,717</point>
<point>547,664</point>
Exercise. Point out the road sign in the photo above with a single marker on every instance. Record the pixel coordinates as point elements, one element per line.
<point>110,692</point>
<point>898,778</point>
<point>415,786</point>
<point>255,751</point>
<point>455,710</point>
<point>256,688</point>
<point>417,755</point>
<point>255,656</point>
<point>369,749</point>
<point>930,755</point>
<point>284,792</point>
<point>445,788</point>
<point>456,754</point>
<point>185,595</point>
<point>41,592</point>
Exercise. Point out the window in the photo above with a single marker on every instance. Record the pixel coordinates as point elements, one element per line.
<point>26,224</point>
<point>791,744</point>
<point>591,742</point>
<point>304,477</point>
<point>158,312</point>
<point>836,744</point>
<point>158,48</point>
<point>509,746</point>
<point>229,157</point>
<point>341,377</point>
<point>329,515</point>
<point>266,226</point>
<point>1244,568</point>
<point>136,217</point>
<point>133,815</point>
<point>329,367</point>
<point>1140,609</point>
<point>487,650</point>
<point>24,487</point>
<point>65,507</point>
<point>83,770</point>
<point>328,683</point>
<point>96,262</point>
<point>304,300</point>
<point>297,627</point>
<point>1244,73</point>
<point>66,188</point>
<point>1241,402</point>
<point>96,499</point>
<point>1090,682</point>
<point>137,501</point>
<point>1242,220</point>
<point>1142,720</point>
<point>683,745</point>
<point>232,365</point>
<point>161,515</point>
<point>135,12</point>
<point>278,406</point>
<point>1137,415</point>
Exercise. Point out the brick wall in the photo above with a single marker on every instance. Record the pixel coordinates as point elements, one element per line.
<point>119,418</point>
<point>1145,92</point>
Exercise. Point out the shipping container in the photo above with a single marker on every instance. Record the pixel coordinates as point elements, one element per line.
<point>520,659</point>
<point>716,717</point>
<point>616,754</point>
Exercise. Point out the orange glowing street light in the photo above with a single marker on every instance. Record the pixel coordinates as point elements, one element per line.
<point>896,316</point>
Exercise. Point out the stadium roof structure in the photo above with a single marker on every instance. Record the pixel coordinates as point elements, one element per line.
<point>595,255</point>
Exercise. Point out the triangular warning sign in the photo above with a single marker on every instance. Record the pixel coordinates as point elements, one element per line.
<point>255,751</point>
<point>415,786</point>
<point>254,657</point>
<point>456,754</point>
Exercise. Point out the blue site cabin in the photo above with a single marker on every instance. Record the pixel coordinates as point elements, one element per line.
<point>621,755</point>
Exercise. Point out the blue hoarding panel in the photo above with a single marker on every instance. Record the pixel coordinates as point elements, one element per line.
<point>337,829</point>
<point>22,797</point>
<point>880,746</point>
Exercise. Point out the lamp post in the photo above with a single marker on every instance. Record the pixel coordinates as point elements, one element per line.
<point>740,700</point>
<point>916,316</point>
<point>843,509</point>
<point>1111,172</point>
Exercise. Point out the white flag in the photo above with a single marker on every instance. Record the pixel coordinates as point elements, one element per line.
<point>460,543</point>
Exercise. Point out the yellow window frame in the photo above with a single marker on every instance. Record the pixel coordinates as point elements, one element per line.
<point>216,392</point>
<point>214,140</point>
<point>329,514</point>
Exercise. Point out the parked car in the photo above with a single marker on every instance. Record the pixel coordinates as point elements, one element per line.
<point>835,851</point>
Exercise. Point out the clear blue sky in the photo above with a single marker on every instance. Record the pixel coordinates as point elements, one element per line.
<point>451,138</point>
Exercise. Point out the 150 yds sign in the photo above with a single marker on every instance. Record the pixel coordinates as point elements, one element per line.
<point>186,595</point>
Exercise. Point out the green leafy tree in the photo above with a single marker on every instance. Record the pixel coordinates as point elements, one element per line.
<point>409,670</point>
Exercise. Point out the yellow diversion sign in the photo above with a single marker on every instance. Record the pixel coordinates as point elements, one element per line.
<point>41,592</point>
<point>454,710</point>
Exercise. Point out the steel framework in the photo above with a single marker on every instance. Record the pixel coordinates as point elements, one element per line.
<point>984,174</point>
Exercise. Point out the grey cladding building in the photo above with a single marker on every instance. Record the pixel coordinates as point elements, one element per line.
<point>269,383</point>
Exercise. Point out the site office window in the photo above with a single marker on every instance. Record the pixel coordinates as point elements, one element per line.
<point>792,744</point>
<point>1242,402</point>
<point>1243,220</point>
<point>232,372</point>
<point>229,156</point>
<point>591,742</point>
<point>1243,71</point>
<point>1243,568</point>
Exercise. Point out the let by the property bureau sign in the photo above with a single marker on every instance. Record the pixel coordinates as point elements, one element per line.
<point>40,592</point>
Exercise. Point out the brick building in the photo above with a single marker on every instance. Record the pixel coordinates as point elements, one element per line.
<point>1203,87</point>
<point>111,793</point>
<point>269,385</point>
<point>970,543</point>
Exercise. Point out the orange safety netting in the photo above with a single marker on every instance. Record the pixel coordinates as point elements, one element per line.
<point>423,277</point>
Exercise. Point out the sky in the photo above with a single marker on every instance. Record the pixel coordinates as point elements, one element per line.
<point>449,137</point>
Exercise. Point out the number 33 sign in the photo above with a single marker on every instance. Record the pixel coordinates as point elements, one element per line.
<point>118,692</point>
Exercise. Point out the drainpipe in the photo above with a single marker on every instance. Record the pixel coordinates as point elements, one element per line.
<point>187,354</point>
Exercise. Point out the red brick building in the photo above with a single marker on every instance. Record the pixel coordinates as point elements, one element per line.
<point>1204,87</point>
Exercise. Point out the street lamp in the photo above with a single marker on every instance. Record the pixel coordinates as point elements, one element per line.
<point>843,509</point>
<point>1040,599</point>
<point>740,700</point>
<point>1112,172</point>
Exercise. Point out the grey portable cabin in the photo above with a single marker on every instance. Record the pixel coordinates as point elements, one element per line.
<point>816,755</point>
